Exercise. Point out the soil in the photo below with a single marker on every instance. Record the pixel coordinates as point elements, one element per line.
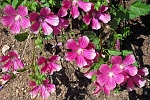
<point>70,81</point>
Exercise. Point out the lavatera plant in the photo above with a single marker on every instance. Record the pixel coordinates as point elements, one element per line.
<point>107,65</point>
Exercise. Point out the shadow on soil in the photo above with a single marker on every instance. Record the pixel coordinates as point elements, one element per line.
<point>136,31</point>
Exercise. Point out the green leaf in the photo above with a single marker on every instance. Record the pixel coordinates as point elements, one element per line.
<point>114,52</point>
<point>96,41</point>
<point>93,78</point>
<point>95,66</point>
<point>21,37</point>
<point>39,43</point>
<point>14,3</point>
<point>22,70</point>
<point>90,34</point>
<point>138,9</point>
<point>135,64</point>
<point>126,52</point>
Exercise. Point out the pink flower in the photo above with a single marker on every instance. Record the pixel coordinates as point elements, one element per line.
<point>62,22</point>
<point>85,6</point>
<point>117,45</point>
<point>103,88</point>
<point>49,64</point>
<point>15,19</point>
<point>80,51</point>
<point>126,64</point>
<point>12,61</point>
<point>89,74</point>
<point>43,89</point>
<point>44,19</point>
<point>110,76</point>
<point>95,16</point>
<point>132,80</point>
<point>5,78</point>
<point>136,79</point>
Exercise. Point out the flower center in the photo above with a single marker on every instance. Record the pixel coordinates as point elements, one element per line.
<point>121,66</point>
<point>80,51</point>
<point>41,19</point>
<point>18,17</point>
<point>111,74</point>
<point>74,2</point>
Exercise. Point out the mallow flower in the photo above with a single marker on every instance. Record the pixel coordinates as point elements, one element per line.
<point>74,4</point>
<point>137,79</point>
<point>12,60</point>
<point>80,51</point>
<point>43,89</point>
<point>126,63</point>
<point>109,77</point>
<point>94,17</point>
<point>44,19</point>
<point>49,64</point>
<point>63,23</point>
<point>15,18</point>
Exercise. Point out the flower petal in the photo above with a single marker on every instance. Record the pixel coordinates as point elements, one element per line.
<point>89,54</point>
<point>45,11</point>
<point>116,69</point>
<point>13,53</point>
<point>102,79</point>
<point>10,10</point>
<point>105,18</point>
<point>119,78</point>
<point>54,58</point>
<point>43,92</point>
<point>70,56</point>
<point>130,84</point>
<point>4,58</point>
<point>52,20</point>
<point>71,44</point>
<point>56,67</point>
<point>44,69</point>
<point>51,88</point>
<point>104,68</point>
<point>89,74</point>
<point>110,84</point>
<point>41,60</point>
<point>81,61</point>
<point>7,20</point>
<point>56,30</point>
<point>31,83</point>
<point>34,91</point>
<point>131,70</point>
<point>7,66</point>
<point>140,82</point>
<point>85,6</point>
<point>103,8</point>
<point>74,12</point>
<point>98,88</point>
<point>22,10</point>
<point>129,59</point>
<point>87,19</point>
<point>62,12</point>
<point>116,59</point>
<point>83,41</point>
<point>46,28</point>
<point>15,27</point>
<point>35,27</point>
<point>63,23</point>
<point>33,16</point>
<point>66,4</point>
<point>143,71</point>
<point>25,23</point>
<point>95,24</point>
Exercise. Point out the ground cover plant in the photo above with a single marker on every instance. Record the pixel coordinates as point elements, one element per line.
<point>108,65</point>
